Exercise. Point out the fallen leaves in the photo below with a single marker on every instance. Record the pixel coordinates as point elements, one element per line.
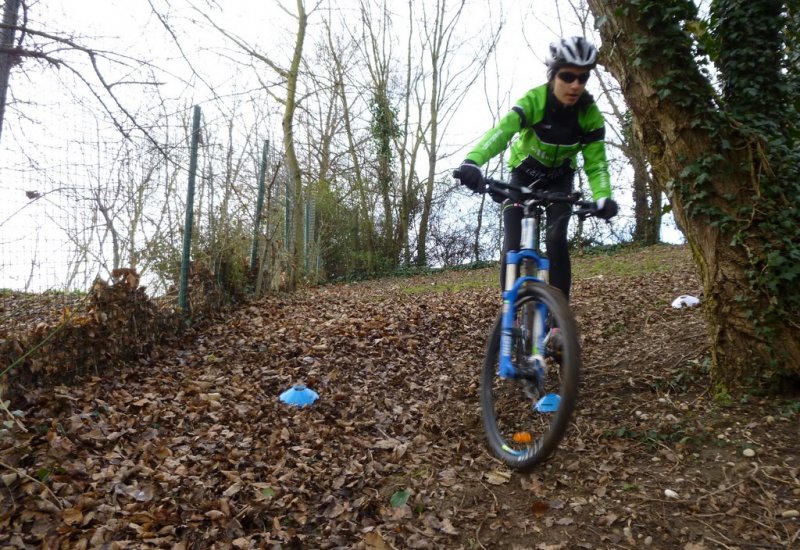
<point>498,477</point>
<point>192,449</point>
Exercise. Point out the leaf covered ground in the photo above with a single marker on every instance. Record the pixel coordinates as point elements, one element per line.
<point>192,448</point>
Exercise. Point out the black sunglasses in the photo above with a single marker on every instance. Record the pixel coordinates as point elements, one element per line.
<point>569,78</point>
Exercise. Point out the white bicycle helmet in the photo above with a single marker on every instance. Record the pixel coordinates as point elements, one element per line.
<point>574,51</point>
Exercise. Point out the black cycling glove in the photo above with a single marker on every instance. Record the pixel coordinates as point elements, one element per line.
<point>471,175</point>
<point>606,208</point>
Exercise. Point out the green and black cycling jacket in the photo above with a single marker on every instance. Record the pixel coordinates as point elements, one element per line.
<point>550,136</point>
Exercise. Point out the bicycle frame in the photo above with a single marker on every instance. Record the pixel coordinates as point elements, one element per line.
<point>529,246</point>
<point>526,416</point>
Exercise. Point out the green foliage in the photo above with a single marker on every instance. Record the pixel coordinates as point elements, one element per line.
<point>343,231</point>
<point>761,100</point>
<point>384,125</point>
<point>385,130</point>
<point>789,409</point>
<point>753,90</point>
<point>722,396</point>
<point>226,254</point>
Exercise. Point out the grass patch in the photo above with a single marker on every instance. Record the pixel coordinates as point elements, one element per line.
<point>7,292</point>
<point>627,261</point>
<point>652,438</point>
<point>619,261</point>
<point>446,286</point>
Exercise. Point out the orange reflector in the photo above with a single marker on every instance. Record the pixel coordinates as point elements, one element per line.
<point>522,437</point>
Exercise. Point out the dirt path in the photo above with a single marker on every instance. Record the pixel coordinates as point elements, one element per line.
<point>193,449</point>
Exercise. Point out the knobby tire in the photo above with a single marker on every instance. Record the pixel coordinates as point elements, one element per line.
<point>504,405</point>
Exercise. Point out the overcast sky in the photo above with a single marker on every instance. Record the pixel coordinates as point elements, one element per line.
<point>129,27</point>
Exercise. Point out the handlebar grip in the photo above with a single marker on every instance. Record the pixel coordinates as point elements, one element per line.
<point>586,210</point>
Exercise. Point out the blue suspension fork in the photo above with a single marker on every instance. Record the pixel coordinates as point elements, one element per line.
<point>513,261</point>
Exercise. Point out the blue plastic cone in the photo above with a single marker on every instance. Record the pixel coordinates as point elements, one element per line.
<point>549,403</point>
<point>299,396</point>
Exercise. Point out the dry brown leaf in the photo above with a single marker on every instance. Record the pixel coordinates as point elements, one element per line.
<point>72,516</point>
<point>498,477</point>
<point>539,508</point>
<point>374,541</point>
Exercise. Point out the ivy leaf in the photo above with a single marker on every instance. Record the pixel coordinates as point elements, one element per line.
<point>399,498</point>
<point>43,473</point>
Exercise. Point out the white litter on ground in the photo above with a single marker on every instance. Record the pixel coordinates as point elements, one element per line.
<point>685,300</point>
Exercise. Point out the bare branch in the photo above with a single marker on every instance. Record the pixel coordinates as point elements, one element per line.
<point>169,30</point>
<point>22,52</point>
<point>283,73</point>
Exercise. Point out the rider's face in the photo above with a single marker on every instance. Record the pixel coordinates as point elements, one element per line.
<point>568,93</point>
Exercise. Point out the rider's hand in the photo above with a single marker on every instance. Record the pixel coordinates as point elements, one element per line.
<point>606,208</point>
<point>471,176</point>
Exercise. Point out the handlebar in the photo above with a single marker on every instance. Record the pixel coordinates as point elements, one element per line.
<point>523,193</point>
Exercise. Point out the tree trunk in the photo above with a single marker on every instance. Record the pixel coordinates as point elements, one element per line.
<point>436,61</point>
<point>646,202</point>
<point>422,255</point>
<point>679,128</point>
<point>385,177</point>
<point>407,158</point>
<point>377,49</point>
<point>476,243</point>
<point>10,12</point>
<point>296,248</point>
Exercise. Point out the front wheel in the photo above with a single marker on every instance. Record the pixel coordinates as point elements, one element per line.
<point>525,416</point>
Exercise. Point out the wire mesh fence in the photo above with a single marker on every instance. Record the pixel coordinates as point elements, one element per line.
<point>46,214</point>
<point>85,200</point>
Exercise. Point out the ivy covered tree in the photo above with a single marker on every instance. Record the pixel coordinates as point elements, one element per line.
<point>727,142</point>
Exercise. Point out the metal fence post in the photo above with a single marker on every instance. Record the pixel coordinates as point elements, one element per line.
<point>187,229</point>
<point>309,232</point>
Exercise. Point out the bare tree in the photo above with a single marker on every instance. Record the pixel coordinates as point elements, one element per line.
<point>408,142</point>
<point>102,72</point>
<point>289,75</point>
<point>646,189</point>
<point>359,184</point>
<point>446,88</point>
<point>376,45</point>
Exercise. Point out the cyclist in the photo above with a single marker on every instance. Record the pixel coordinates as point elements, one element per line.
<point>555,122</point>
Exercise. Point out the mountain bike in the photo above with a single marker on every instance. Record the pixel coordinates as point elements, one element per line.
<point>531,370</point>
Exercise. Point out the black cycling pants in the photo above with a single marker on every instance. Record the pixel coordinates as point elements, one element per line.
<point>557,218</point>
